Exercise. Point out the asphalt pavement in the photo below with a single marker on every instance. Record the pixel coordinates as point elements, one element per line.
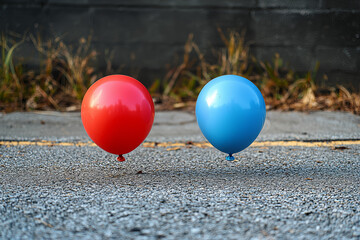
<point>300,180</point>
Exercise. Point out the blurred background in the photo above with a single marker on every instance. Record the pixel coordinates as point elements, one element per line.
<point>302,54</point>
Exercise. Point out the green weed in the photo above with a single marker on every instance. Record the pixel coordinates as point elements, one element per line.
<point>12,89</point>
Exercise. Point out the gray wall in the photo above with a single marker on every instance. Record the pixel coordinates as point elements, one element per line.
<point>154,32</point>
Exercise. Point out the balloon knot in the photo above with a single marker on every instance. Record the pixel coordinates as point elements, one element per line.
<point>230,157</point>
<point>120,158</point>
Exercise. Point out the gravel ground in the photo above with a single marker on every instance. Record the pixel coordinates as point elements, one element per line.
<point>191,193</point>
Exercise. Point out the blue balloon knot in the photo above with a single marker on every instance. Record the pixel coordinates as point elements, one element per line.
<point>230,157</point>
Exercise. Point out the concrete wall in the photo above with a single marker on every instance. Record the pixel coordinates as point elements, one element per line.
<point>149,34</point>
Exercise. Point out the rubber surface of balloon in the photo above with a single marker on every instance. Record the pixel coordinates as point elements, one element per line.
<point>230,111</point>
<point>117,113</point>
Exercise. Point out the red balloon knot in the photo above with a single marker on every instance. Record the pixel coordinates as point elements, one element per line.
<point>120,158</point>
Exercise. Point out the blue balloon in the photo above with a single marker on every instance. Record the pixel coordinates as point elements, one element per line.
<point>230,112</point>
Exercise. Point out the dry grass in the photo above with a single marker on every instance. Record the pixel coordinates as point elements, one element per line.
<point>64,76</point>
<point>281,87</point>
<point>185,81</point>
<point>66,73</point>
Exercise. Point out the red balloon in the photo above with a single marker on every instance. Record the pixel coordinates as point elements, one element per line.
<point>117,113</point>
